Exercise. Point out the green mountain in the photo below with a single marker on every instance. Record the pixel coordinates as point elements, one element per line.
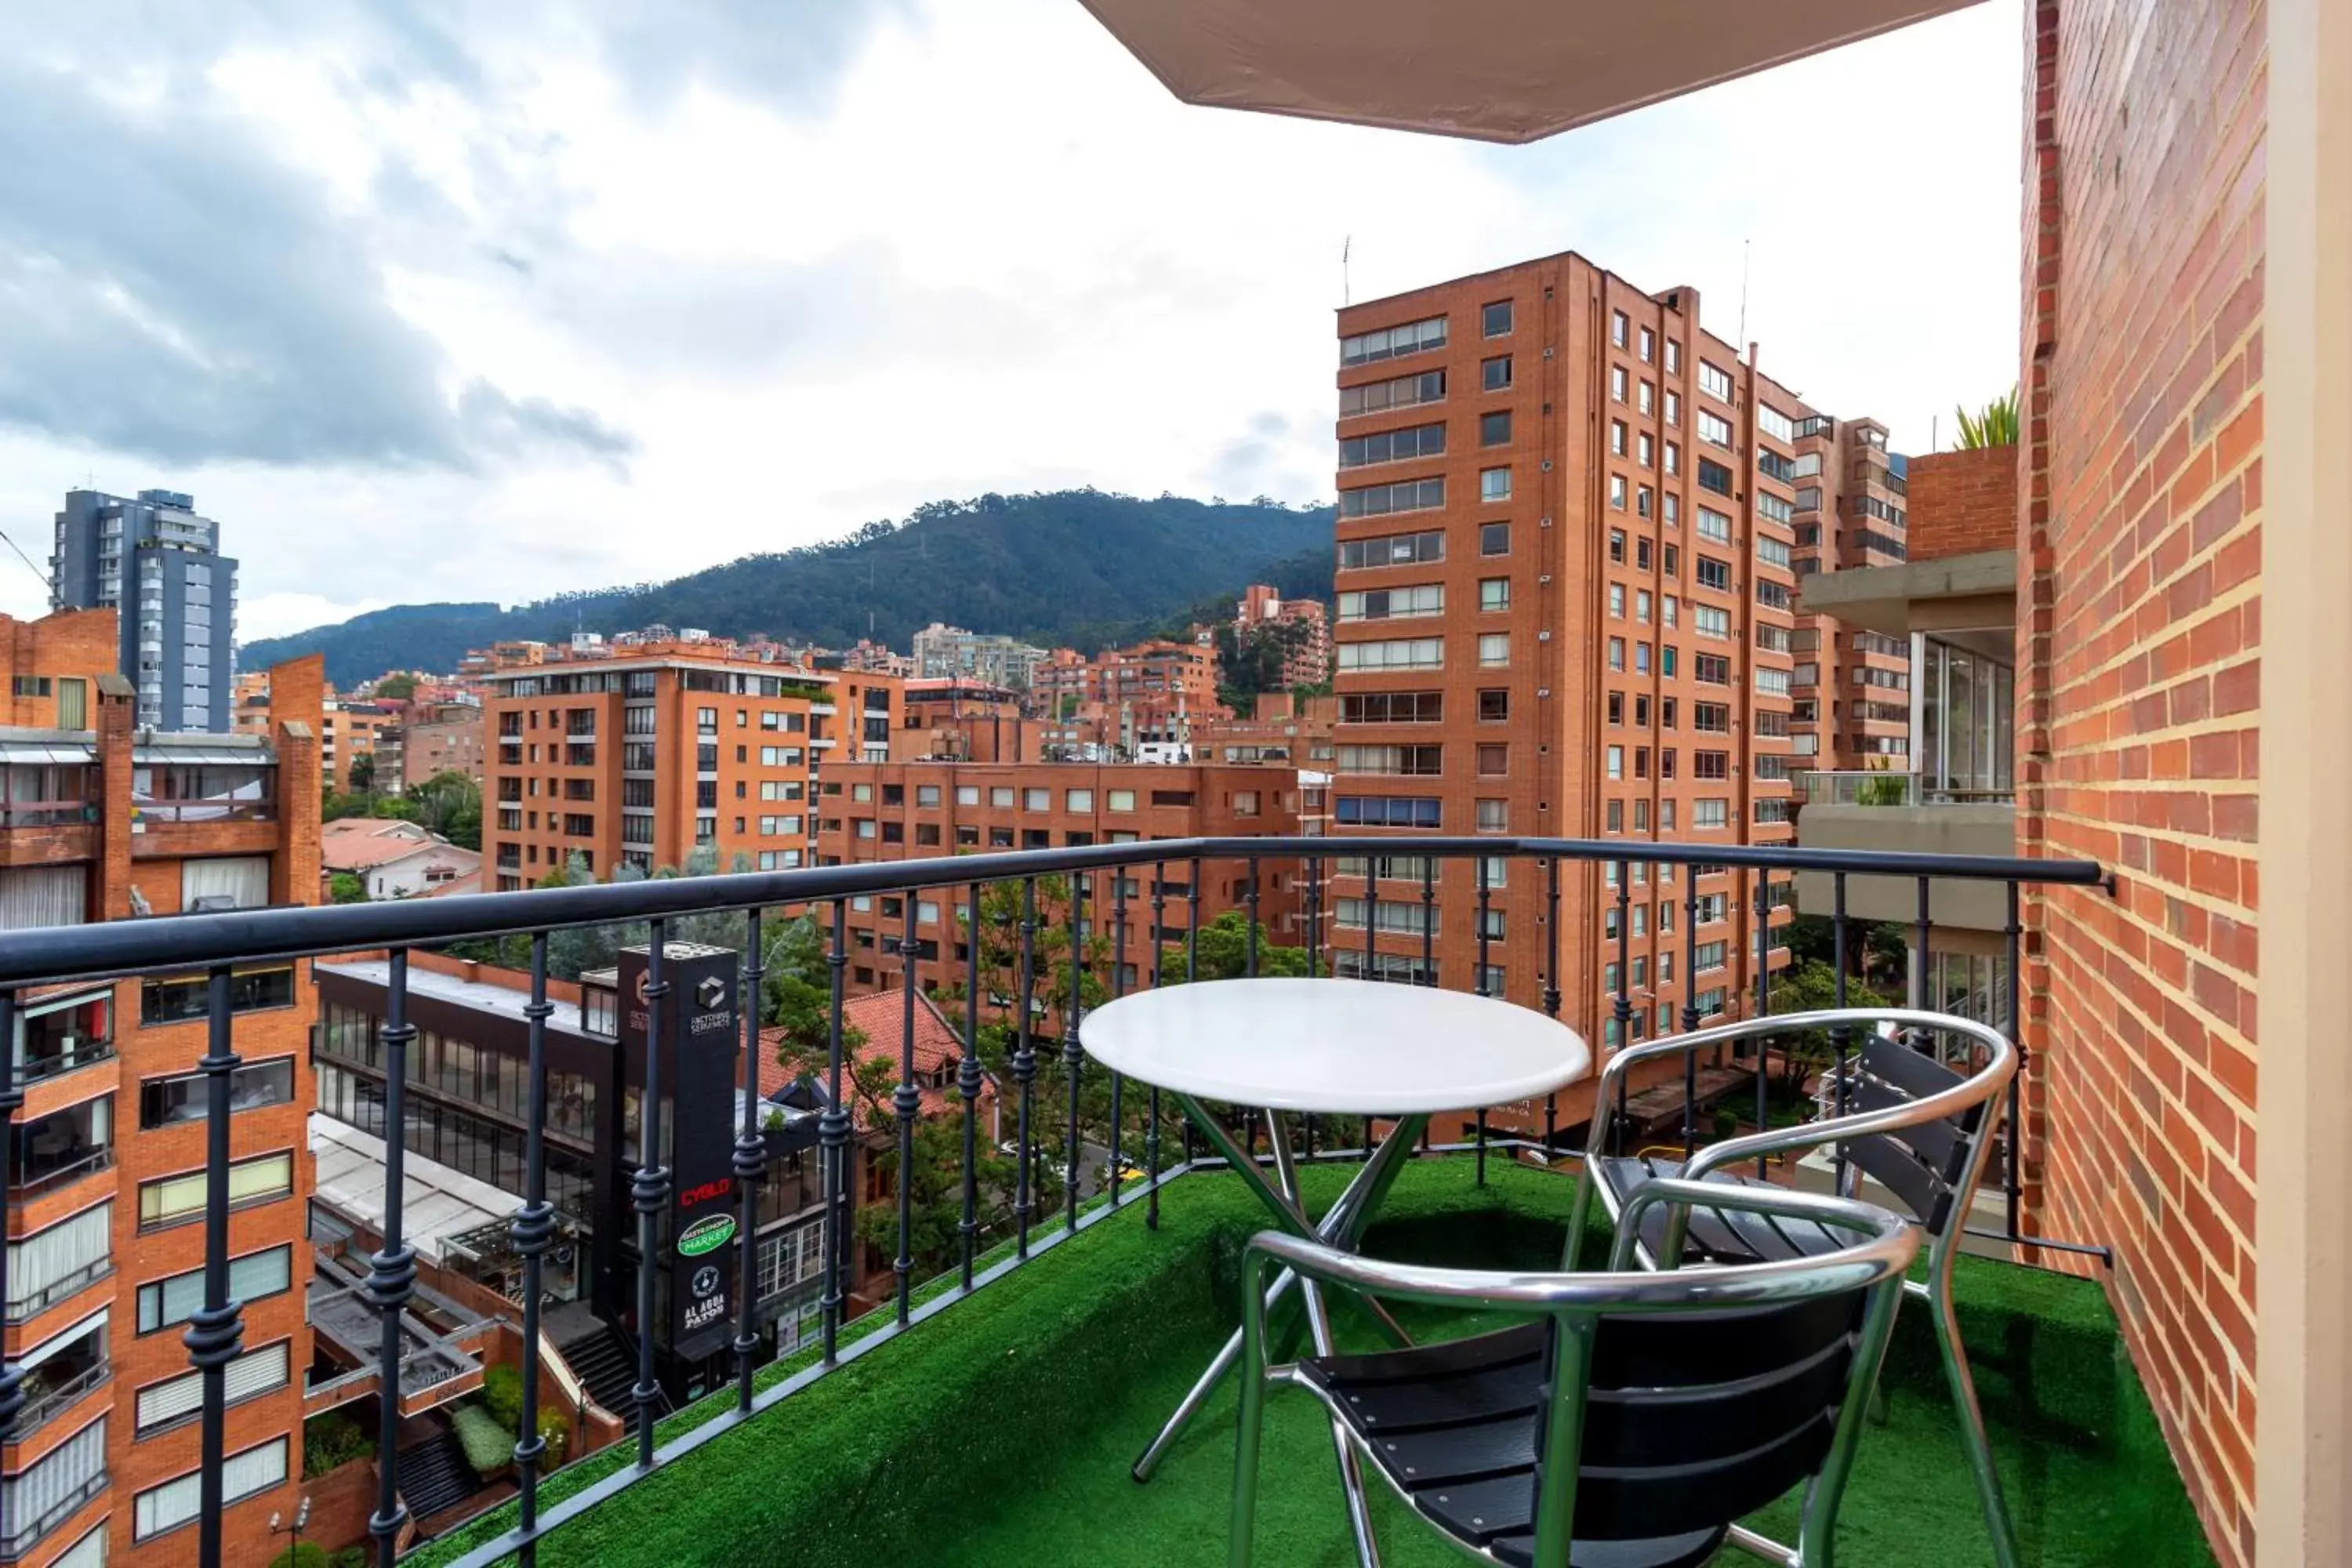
<point>1084,569</point>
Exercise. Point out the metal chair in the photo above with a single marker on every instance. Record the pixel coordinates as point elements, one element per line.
<point>1919,1129</point>
<point>1635,1421</point>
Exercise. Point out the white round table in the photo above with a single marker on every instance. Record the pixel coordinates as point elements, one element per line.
<point>1325,1047</point>
<point>1335,1048</point>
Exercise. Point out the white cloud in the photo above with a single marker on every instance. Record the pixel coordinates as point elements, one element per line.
<point>987,252</point>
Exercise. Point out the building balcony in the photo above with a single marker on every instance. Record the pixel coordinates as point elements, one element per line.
<point>1083,1293</point>
<point>1902,813</point>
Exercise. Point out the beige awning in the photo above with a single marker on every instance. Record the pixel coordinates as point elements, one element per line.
<point>1499,70</point>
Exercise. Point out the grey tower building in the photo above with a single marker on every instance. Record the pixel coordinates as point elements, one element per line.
<point>157,565</point>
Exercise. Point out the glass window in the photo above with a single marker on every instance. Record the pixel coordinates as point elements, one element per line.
<point>186,1097</point>
<point>176,1502</point>
<point>173,1198</point>
<point>1495,375</point>
<point>1494,429</point>
<point>1494,485</point>
<point>1494,539</point>
<point>1493,593</point>
<point>1494,649</point>
<point>1122,800</point>
<point>1494,320</point>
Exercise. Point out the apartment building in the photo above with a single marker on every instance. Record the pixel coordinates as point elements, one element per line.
<point>106,820</point>
<point>347,744</point>
<point>1142,702</point>
<point>1306,660</point>
<point>1850,684</point>
<point>1566,578</point>
<point>943,651</point>
<point>908,811</point>
<point>643,757</point>
<point>442,738</point>
<point>158,565</point>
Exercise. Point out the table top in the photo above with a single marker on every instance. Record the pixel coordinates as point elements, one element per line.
<point>1335,1048</point>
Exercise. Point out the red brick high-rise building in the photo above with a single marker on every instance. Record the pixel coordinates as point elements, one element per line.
<point>107,1196</point>
<point>1569,529</point>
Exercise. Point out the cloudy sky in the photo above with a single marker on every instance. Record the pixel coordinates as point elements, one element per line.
<point>491,300</point>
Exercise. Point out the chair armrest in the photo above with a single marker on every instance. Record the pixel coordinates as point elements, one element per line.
<point>1885,1246</point>
<point>1977,1089</point>
<point>1842,1214</point>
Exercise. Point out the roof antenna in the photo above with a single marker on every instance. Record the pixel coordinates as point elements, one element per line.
<point>1745,245</point>
<point>1347,244</point>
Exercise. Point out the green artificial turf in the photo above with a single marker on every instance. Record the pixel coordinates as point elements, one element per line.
<point>1000,1433</point>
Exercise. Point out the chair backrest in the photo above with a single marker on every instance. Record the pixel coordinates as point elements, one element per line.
<point>1924,1163</point>
<point>1695,1419</point>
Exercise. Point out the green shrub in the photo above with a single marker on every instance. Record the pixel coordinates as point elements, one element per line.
<point>490,1447</point>
<point>502,1392</point>
<point>309,1554</point>
<point>330,1440</point>
<point>350,1557</point>
<point>1726,1122</point>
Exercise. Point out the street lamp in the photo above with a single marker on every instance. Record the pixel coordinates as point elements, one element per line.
<point>301,1521</point>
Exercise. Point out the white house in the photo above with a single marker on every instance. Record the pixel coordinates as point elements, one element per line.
<point>395,859</point>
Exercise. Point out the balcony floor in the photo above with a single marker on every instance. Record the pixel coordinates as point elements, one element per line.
<point>999,1434</point>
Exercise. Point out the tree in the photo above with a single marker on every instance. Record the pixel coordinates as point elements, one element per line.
<point>450,804</point>
<point>1223,953</point>
<point>335,806</point>
<point>397,687</point>
<point>363,774</point>
<point>342,887</point>
<point>1995,424</point>
<point>1807,987</point>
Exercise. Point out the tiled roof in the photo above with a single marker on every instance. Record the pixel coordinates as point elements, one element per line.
<point>881,1017</point>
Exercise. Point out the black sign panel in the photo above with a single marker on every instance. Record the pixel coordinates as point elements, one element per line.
<point>702,1033</point>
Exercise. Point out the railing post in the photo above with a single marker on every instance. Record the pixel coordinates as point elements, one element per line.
<point>1485,910</point>
<point>1918,976</point>
<point>1074,1059</point>
<point>1690,1009</point>
<point>1315,917</point>
<point>1249,958</point>
<point>1118,989</point>
<point>1159,970</point>
<point>969,1081</point>
<point>392,1272</point>
<point>1838,1033</point>
<point>1763,1007</point>
<point>1192,957</point>
<point>1428,920</point>
<point>2013,1168</point>
<point>649,1190</point>
<point>750,1163</point>
<point>1551,993</point>
<point>1024,1060</point>
<point>906,1101</point>
<point>214,1336</point>
<point>533,1230</point>
<point>833,1137</point>
<point>1625,1003</point>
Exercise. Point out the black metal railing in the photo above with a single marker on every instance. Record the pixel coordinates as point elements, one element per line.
<point>1027,974</point>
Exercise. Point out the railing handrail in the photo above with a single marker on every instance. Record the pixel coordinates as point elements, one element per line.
<point>121,948</point>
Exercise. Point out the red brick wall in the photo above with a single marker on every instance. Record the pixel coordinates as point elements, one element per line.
<point>1962,502</point>
<point>2138,687</point>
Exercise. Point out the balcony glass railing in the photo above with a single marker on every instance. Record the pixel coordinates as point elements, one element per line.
<point>1016,1144</point>
<point>1882,787</point>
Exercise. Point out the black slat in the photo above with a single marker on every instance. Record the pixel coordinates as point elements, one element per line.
<point>1916,1075</point>
<point>1722,1235</point>
<point>1644,1504</point>
<point>1935,1141</point>
<point>1899,1170</point>
<point>1688,1551</point>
